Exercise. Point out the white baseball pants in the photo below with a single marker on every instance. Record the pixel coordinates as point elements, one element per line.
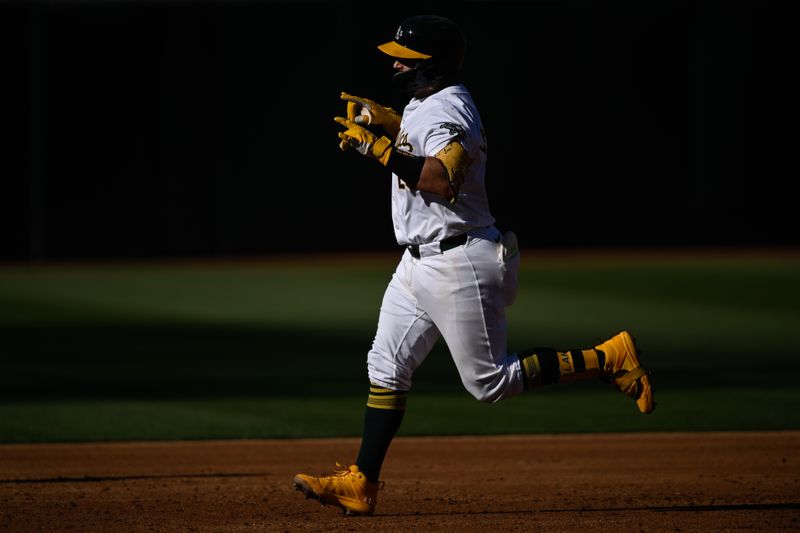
<point>459,294</point>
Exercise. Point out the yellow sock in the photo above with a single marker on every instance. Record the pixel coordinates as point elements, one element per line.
<point>577,364</point>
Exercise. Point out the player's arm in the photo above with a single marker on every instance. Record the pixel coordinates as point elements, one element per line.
<point>441,175</point>
<point>422,173</point>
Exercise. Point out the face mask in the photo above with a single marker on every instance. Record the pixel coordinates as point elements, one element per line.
<point>407,83</point>
<point>423,80</point>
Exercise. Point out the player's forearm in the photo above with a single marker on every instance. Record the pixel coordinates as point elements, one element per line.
<point>433,178</point>
<point>421,173</point>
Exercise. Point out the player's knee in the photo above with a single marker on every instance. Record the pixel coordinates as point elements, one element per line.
<point>484,397</point>
<point>484,394</point>
<point>381,372</point>
<point>493,388</point>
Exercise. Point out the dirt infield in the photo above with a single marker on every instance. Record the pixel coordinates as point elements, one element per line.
<point>608,482</point>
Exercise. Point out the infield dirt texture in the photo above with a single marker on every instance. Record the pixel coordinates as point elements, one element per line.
<point>592,482</point>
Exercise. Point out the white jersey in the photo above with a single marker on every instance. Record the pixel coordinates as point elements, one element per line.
<point>428,125</point>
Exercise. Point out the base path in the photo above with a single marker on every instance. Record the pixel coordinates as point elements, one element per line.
<point>604,482</point>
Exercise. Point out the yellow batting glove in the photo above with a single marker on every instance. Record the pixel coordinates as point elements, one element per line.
<point>366,112</point>
<point>353,110</point>
<point>352,113</point>
<point>364,141</point>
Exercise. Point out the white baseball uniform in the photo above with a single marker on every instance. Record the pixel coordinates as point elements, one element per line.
<point>460,293</point>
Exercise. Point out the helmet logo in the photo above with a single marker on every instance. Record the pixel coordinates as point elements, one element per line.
<point>399,34</point>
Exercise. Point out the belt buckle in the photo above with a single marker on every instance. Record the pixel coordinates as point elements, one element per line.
<point>413,249</point>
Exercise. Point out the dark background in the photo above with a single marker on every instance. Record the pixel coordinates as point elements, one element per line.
<point>159,129</point>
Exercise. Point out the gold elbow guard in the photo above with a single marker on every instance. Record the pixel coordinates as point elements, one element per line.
<point>456,161</point>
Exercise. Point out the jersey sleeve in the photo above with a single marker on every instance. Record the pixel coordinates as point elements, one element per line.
<point>450,141</point>
<point>447,125</point>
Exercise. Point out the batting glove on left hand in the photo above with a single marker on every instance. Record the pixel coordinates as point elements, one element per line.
<point>365,112</point>
<point>364,141</point>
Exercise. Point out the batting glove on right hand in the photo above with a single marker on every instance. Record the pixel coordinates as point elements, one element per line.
<point>366,112</point>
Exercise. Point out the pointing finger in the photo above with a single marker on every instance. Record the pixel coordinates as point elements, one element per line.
<point>351,98</point>
<point>344,122</point>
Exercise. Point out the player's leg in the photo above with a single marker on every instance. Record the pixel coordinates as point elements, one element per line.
<point>465,291</point>
<point>548,366</point>
<point>404,337</point>
<point>615,360</point>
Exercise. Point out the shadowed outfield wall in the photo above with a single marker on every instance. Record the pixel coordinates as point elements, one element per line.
<point>157,128</point>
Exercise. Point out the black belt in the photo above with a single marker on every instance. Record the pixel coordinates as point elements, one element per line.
<point>444,245</point>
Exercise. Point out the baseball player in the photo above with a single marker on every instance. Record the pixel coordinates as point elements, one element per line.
<point>458,272</point>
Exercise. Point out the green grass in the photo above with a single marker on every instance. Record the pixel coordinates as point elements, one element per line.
<point>278,348</point>
<point>564,411</point>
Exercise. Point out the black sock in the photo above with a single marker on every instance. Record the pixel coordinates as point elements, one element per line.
<point>384,413</point>
<point>539,367</point>
<point>545,366</point>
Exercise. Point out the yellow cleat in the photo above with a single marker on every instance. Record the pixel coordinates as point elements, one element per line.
<point>623,370</point>
<point>348,489</point>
